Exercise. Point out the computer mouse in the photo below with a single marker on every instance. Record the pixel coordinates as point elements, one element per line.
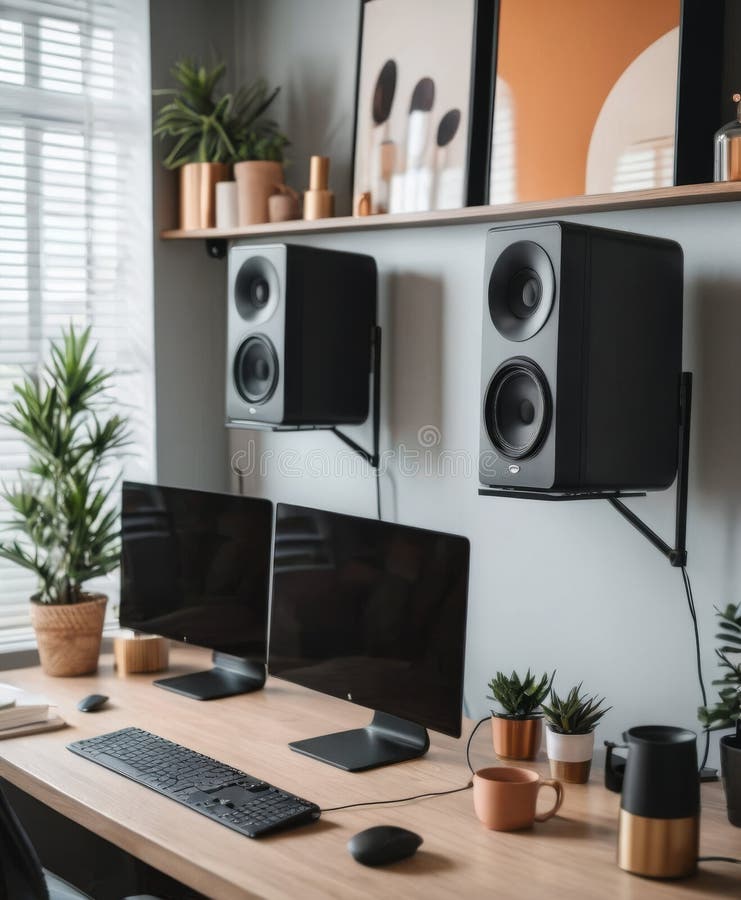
<point>92,702</point>
<point>383,844</point>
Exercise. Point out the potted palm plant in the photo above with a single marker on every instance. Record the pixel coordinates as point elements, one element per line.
<point>258,160</point>
<point>569,736</point>
<point>726,712</point>
<point>517,725</point>
<point>206,133</point>
<point>63,515</point>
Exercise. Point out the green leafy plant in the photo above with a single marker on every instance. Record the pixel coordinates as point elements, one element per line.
<point>576,713</point>
<point>519,698</point>
<point>197,125</point>
<point>62,508</point>
<point>727,710</point>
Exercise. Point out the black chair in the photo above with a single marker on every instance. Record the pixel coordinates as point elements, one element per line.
<point>22,876</point>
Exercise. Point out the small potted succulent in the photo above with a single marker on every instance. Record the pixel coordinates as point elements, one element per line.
<point>569,737</point>
<point>64,514</point>
<point>726,713</point>
<point>517,725</point>
<point>206,133</point>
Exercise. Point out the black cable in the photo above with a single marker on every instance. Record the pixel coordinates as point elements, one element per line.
<point>428,793</point>
<point>378,492</point>
<point>693,613</point>
<point>728,859</point>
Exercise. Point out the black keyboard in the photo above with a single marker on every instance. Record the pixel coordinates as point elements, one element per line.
<point>237,800</point>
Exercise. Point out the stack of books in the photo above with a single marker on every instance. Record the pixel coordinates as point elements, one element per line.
<point>24,713</point>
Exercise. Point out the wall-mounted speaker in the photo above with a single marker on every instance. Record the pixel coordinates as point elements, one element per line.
<point>299,333</point>
<point>581,359</point>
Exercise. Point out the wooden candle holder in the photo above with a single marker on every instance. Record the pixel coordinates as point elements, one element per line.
<point>140,653</point>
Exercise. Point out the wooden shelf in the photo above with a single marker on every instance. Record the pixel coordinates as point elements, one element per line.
<point>683,195</point>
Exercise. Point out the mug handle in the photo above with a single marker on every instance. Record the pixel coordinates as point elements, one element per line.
<point>558,788</point>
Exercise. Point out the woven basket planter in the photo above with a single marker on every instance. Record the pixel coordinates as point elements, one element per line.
<point>69,635</point>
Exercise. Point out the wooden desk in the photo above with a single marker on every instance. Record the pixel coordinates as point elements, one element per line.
<point>572,856</point>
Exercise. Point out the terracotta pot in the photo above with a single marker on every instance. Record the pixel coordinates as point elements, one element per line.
<point>570,755</point>
<point>68,635</point>
<point>198,193</point>
<point>516,738</point>
<point>257,180</point>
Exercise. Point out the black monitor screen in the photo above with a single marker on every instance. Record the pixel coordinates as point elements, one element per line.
<point>371,612</point>
<point>196,567</point>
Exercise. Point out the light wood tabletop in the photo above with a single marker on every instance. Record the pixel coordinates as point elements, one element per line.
<point>571,856</point>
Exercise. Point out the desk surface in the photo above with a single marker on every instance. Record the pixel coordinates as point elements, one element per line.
<point>571,856</point>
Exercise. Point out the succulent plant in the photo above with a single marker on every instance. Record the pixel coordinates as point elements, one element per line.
<point>519,698</point>
<point>727,710</point>
<point>576,713</point>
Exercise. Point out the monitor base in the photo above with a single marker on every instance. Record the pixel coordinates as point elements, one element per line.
<point>386,740</point>
<point>230,676</point>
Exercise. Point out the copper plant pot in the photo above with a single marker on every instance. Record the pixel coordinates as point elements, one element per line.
<point>198,193</point>
<point>516,738</point>
<point>257,180</point>
<point>68,635</point>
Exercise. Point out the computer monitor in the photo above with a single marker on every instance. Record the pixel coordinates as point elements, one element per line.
<point>374,613</point>
<point>196,568</point>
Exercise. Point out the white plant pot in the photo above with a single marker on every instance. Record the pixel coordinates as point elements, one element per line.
<point>570,755</point>
<point>226,205</point>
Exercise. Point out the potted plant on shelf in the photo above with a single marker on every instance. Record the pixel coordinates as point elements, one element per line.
<point>726,712</point>
<point>206,133</point>
<point>569,737</point>
<point>259,156</point>
<point>66,522</point>
<point>517,726</point>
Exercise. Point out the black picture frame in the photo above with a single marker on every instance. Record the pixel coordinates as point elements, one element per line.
<point>481,98</point>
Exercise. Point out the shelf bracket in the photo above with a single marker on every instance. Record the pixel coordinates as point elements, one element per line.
<point>677,555</point>
<point>216,248</point>
<point>372,458</point>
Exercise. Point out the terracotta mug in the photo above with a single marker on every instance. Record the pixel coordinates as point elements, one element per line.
<point>504,798</point>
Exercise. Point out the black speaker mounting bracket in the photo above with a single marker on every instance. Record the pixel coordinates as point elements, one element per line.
<point>677,555</point>
<point>372,458</point>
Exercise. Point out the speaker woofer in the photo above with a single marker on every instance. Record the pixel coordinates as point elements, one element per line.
<point>256,290</point>
<point>517,409</point>
<point>256,369</point>
<point>521,290</point>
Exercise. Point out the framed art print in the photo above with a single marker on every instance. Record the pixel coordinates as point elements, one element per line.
<point>424,104</point>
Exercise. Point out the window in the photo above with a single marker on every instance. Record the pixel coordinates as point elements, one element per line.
<point>75,218</point>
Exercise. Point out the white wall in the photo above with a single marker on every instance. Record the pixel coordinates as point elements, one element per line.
<point>189,288</point>
<point>568,586</point>
<point>553,585</point>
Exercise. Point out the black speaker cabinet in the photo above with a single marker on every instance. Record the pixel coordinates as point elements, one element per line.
<point>299,332</point>
<point>581,359</point>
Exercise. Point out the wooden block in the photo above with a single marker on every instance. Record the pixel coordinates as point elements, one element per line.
<point>141,653</point>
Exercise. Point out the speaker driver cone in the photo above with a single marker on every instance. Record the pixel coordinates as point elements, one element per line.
<point>517,408</point>
<point>256,369</point>
<point>522,288</point>
<point>256,290</point>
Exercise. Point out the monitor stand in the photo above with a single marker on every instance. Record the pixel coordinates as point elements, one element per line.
<point>230,675</point>
<point>386,740</point>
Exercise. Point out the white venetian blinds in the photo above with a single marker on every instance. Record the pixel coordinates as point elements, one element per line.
<point>75,215</point>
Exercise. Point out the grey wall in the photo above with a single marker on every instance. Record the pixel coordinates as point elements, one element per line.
<point>309,48</point>
<point>189,288</point>
<point>566,586</point>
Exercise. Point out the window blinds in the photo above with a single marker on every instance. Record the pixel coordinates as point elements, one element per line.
<point>75,218</point>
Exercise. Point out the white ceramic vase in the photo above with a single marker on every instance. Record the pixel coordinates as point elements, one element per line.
<point>570,755</point>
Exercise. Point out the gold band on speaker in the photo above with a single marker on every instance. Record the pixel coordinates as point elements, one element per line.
<point>658,848</point>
